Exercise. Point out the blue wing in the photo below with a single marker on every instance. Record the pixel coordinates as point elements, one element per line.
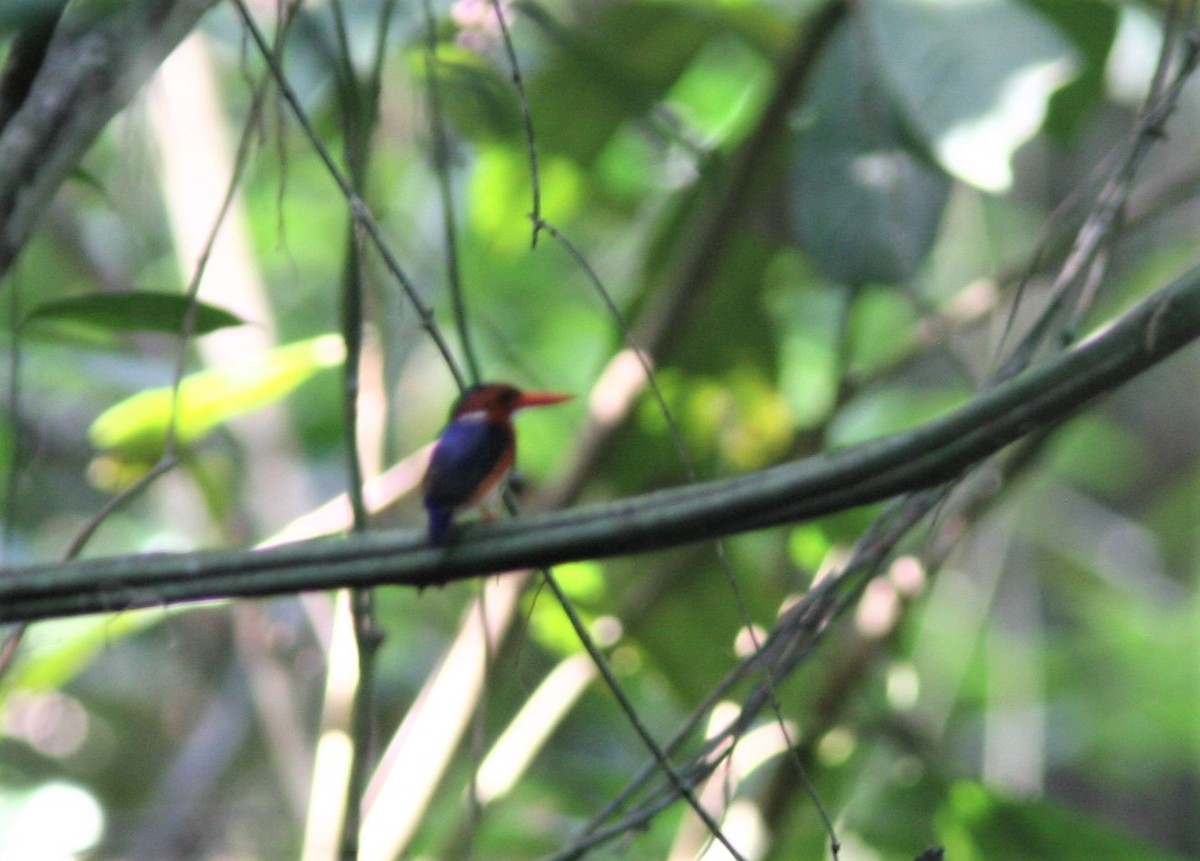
<point>469,458</point>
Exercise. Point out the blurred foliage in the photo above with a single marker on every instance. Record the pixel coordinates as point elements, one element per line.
<point>1020,685</point>
<point>133,310</point>
<point>138,426</point>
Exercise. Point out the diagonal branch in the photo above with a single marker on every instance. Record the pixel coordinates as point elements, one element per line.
<point>857,475</point>
<point>98,57</point>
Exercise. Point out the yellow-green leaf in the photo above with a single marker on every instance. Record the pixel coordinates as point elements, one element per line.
<point>137,426</point>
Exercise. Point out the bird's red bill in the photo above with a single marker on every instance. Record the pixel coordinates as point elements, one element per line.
<point>541,399</point>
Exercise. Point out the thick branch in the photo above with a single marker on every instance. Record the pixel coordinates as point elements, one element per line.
<point>861,474</point>
<point>100,54</point>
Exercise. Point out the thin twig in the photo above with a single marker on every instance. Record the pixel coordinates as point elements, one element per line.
<point>441,167</point>
<point>1080,267</point>
<point>359,210</point>
<point>514,68</point>
<point>359,99</point>
<point>679,784</point>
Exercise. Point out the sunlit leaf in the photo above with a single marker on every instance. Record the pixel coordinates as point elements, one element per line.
<point>133,311</point>
<point>808,545</point>
<point>548,625</point>
<point>582,581</point>
<point>721,91</point>
<point>974,78</point>
<point>882,330</point>
<point>501,187</point>
<point>759,430</point>
<point>55,652</point>
<point>137,426</point>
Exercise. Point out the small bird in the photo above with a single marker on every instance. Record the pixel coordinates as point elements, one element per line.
<point>475,451</point>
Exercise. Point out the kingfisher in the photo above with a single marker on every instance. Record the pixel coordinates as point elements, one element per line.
<point>475,451</point>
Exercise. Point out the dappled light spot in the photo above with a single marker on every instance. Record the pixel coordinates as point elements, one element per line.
<point>878,610</point>
<point>903,685</point>
<point>620,383</point>
<point>837,746</point>
<point>907,574</point>
<point>607,631</point>
<point>52,723</point>
<point>56,820</point>
<point>748,640</point>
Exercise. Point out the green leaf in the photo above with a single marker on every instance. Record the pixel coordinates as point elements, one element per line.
<point>880,411</point>
<point>1097,454</point>
<point>864,205</point>
<point>1119,671</point>
<point>978,823</point>
<point>137,426</point>
<point>882,328</point>
<point>974,78</point>
<point>730,310</point>
<point>134,311</point>
<point>585,583</point>
<point>720,94</point>
<point>54,653</point>
<point>618,65</point>
<point>1092,28</point>
<point>15,14</point>
<point>475,96</point>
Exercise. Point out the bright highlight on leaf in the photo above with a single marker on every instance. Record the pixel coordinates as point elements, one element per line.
<point>974,78</point>
<point>137,426</point>
<point>134,311</point>
<point>548,625</point>
<point>979,149</point>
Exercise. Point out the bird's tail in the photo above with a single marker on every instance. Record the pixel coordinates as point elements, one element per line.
<point>439,523</point>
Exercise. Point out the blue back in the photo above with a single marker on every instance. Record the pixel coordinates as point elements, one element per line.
<point>465,461</point>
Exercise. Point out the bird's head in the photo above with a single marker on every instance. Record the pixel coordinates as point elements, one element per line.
<point>498,401</point>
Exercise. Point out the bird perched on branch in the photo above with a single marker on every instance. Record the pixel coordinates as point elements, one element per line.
<point>475,451</point>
